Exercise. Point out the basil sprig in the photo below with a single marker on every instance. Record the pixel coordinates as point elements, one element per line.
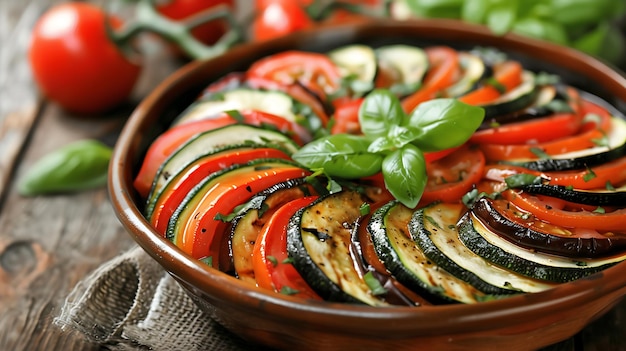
<point>77,166</point>
<point>393,142</point>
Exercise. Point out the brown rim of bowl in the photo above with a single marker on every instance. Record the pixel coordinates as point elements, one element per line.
<point>407,320</point>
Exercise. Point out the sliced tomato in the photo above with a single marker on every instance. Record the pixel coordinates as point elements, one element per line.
<point>203,234</point>
<point>453,176</point>
<point>590,130</point>
<point>444,70</point>
<point>174,137</point>
<point>271,270</point>
<point>565,216</point>
<point>508,74</point>
<point>346,117</point>
<point>313,70</point>
<point>183,182</point>
<point>539,130</point>
<point>436,155</point>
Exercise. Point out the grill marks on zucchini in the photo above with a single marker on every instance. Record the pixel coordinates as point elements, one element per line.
<point>247,225</point>
<point>319,241</point>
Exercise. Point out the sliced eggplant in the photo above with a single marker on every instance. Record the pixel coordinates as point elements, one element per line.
<point>585,197</point>
<point>434,230</point>
<point>521,228</point>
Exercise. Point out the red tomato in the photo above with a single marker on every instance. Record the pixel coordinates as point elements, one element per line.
<point>207,33</point>
<point>508,73</point>
<point>589,132</point>
<point>313,70</point>
<point>276,18</point>
<point>538,130</point>
<point>174,137</point>
<point>270,252</point>
<point>183,182</point>
<point>563,216</point>
<point>444,70</point>
<point>346,118</point>
<point>76,64</point>
<point>203,234</point>
<point>451,177</point>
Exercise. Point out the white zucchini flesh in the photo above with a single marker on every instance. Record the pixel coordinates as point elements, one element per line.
<point>271,102</point>
<point>445,237</point>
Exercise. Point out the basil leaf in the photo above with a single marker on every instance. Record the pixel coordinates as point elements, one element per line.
<point>444,123</point>
<point>541,29</point>
<point>77,166</point>
<point>501,16</point>
<point>340,155</point>
<point>475,11</point>
<point>379,111</point>
<point>404,172</point>
<point>522,179</point>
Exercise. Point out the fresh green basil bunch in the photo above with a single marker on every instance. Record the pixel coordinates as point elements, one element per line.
<point>591,26</point>
<point>393,142</point>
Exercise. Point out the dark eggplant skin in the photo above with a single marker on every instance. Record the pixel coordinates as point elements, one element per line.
<point>568,164</point>
<point>583,247</point>
<point>608,198</point>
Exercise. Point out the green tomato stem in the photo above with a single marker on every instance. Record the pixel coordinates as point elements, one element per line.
<point>148,19</point>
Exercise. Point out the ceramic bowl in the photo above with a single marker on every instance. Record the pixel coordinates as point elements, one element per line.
<point>523,322</point>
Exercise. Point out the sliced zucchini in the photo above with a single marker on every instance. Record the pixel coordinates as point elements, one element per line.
<point>434,230</point>
<point>538,108</point>
<point>614,148</point>
<point>273,102</point>
<point>473,71</point>
<point>518,98</point>
<point>408,64</point>
<point>212,141</point>
<point>250,218</point>
<point>319,240</point>
<point>481,239</point>
<point>405,260</point>
<point>199,226</point>
<point>357,66</point>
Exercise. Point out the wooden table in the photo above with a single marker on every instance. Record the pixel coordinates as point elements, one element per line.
<point>49,243</point>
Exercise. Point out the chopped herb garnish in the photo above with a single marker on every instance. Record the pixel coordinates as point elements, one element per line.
<point>273,260</point>
<point>333,186</point>
<point>236,115</point>
<point>433,222</point>
<point>491,81</point>
<point>569,187</point>
<point>364,209</point>
<point>609,186</point>
<point>207,260</point>
<point>288,260</point>
<point>589,175</point>
<point>522,179</point>
<point>374,284</point>
<point>285,290</point>
<point>494,124</point>
<point>603,141</point>
<point>539,153</point>
<point>599,209</point>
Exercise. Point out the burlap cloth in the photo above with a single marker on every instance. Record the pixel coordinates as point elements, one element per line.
<point>131,303</point>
